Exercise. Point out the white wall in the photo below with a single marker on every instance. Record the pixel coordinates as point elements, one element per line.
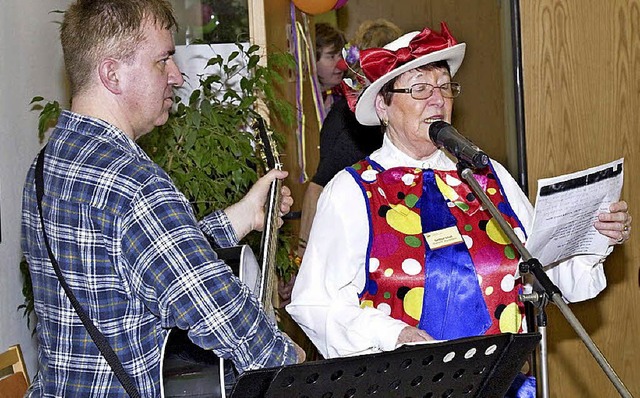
<point>30,64</point>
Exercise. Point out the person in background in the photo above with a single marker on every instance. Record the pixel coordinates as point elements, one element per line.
<point>343,141</point>
<point>376,273</point>
<point>329,44</point>
<point>126,240</point>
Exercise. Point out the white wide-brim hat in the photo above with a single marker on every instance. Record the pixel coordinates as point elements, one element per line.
<point>365,107</point>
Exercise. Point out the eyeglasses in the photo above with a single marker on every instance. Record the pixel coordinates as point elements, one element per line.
<point>422,91</point>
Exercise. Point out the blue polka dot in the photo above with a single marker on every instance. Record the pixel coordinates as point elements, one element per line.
<point>373,287</point>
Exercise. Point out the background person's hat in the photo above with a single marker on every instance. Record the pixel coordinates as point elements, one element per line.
<point>408,52</point>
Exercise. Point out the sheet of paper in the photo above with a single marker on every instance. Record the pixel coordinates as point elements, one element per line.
<point>566,208</point>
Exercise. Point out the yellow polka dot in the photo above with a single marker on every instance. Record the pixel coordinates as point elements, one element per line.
<point>368,194</point>
<point>488,291</point>
<point>366,303</point>
<point>412,302</point>
<point>388,272</point>
<point>404,220</point>
<point>510,319</point>
<point>446,190</point>
<point>495,233</point>
<point>491,191</point>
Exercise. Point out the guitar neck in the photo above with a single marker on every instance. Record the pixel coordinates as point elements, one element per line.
<point>269,242</point>
<point>269,245</point>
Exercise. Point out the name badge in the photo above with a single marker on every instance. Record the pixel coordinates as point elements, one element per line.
<point>443,237</point>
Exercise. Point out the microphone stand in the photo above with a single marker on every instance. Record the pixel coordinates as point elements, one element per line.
<point>549,291</point>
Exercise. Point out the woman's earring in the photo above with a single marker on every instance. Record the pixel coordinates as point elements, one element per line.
<point>385,122</point>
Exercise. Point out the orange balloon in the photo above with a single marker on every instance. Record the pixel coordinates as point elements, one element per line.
<point>314,7</point>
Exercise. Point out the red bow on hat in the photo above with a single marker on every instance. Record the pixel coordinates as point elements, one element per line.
<point>376,62</point>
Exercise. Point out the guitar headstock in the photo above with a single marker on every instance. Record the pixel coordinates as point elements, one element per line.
<point>269,148</point>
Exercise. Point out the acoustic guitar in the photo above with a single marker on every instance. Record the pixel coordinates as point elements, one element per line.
<point>190,371</point>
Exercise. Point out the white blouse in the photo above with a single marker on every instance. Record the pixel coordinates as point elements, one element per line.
<point>325,296</point>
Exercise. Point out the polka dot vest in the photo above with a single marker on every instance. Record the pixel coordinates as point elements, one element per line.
<point>436,258</point>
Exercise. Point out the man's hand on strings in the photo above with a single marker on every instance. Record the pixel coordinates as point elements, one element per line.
<point>248,214</point>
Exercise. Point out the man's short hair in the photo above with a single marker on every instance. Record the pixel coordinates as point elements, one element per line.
<point>93,30</point>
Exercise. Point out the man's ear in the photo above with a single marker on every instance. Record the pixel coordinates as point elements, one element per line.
<point>108,70</point>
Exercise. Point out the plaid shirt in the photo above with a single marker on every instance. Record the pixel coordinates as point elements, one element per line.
<point>136,258</point>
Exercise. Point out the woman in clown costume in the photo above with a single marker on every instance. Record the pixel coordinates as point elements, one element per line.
<point>400,249</point>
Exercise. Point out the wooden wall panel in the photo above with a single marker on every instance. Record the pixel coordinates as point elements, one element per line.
<point>581,85</point>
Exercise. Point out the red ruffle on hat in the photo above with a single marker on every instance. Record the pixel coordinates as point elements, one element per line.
<point>376,62</point>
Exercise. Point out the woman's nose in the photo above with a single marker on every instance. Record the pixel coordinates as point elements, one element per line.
<point>436,97</point>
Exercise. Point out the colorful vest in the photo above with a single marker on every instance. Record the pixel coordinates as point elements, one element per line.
<point>436,258</point>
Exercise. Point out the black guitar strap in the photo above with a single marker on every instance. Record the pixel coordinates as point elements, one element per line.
<point>98,338</point>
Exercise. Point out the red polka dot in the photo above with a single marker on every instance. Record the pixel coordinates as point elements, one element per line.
<point>386,246</point>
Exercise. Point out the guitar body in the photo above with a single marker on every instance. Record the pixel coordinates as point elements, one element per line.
<point>190,371</point>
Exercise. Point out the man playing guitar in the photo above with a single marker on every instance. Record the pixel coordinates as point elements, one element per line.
<point>124,238</point>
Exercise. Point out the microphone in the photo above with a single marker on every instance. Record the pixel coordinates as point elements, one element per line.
<point>444,135</point>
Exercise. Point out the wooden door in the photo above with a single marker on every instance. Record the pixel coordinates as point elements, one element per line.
<point>581,84</point>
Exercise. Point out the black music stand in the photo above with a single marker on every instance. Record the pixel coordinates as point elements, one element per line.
<point>481,366</point>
